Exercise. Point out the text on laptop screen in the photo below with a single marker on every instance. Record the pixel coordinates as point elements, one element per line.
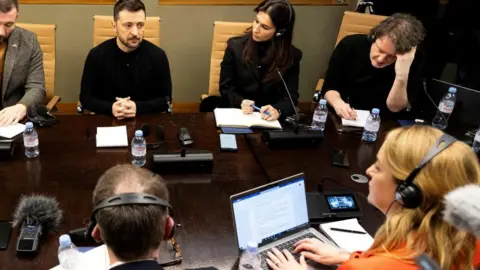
<point>265,214</point>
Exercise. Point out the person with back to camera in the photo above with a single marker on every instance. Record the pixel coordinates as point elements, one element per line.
<point>414,222</point>
<point>249,70</point>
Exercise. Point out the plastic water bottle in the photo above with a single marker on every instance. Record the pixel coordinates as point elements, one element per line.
<point>476,143</point>
<point>445,109</point>
<point>30,141</point>
<point>139,149</point>
<point>372,126</point>
<point>320,115</point>
<point>68,254</point>
<point>250,259</point>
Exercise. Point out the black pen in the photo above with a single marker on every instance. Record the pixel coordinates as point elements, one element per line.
<point>347,231</point>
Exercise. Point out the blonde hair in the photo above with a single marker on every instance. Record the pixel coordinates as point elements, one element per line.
<point>411,232</point>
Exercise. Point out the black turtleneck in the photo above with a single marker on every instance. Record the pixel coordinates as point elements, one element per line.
<point>143,75</point>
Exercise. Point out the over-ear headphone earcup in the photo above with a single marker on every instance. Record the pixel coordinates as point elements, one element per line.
<point>280,33</point>
<point>410,196</point>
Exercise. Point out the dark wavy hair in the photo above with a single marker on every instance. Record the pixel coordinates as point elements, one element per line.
<point>280,50</point>
<point>404,30</point>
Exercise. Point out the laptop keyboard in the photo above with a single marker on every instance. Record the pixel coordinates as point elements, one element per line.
<point>285,245</point>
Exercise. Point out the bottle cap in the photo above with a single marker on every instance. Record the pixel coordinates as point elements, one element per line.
<point>452,90</point>
<point>376,111</point>
<point>323,101</point>
<point>252,247</point>
<point>138,133</point>
<point>65,240</point>
<point>29,125</point>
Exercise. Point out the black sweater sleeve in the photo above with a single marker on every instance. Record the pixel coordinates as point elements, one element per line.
<point>228,79</point>
<point>292,81</point>
<point>88,85</point>
<point>336,68</point>
<point>162,88</point>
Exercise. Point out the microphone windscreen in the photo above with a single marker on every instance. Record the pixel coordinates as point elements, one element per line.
<point>42,110</point>
<point>462,209</point>
<point>160,132</point>
<point>145,129</point>
<point>38,209</point>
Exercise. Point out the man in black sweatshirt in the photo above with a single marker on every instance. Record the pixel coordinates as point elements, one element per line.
<point>126,76</point>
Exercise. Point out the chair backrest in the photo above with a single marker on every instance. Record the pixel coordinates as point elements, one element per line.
<point>46,38</point>
<point>222,31</point>
<point>103,29</point>
<point>357,23</point>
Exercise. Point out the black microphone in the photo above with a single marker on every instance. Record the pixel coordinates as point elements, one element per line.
<point>36,214</point>
<point>431,100</point>
<point>297,119</point>
<point>295,138</point>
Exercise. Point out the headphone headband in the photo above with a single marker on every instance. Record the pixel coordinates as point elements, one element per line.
<point>441,144</point>
<point>131,199</point>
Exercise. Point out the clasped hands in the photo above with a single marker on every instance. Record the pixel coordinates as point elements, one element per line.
<point>312,249</point>
<point>267,112</point>
<point>124,108</point>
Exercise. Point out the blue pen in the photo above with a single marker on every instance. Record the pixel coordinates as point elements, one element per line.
<point>258,109</point>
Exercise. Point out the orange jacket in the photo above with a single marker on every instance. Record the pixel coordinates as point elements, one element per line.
<point>360,261</point>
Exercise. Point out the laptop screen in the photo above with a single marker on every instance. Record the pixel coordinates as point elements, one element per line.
<point>269,212</point>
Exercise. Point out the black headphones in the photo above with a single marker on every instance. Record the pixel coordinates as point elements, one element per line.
<point>408,193</point>
<point>128,199</point>
<point>282,31</point>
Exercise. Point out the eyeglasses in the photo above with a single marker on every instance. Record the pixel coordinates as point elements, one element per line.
<point>178,254</point>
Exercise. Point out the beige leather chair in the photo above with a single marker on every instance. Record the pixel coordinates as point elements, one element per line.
<point>103,29</point>
<point>222,31</point>
<point>354,23</point>
<point>46,38</point>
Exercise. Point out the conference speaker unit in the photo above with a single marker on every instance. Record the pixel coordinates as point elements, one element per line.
<point>183,162</point>
<point>291,139</point>
<point>7,148</point>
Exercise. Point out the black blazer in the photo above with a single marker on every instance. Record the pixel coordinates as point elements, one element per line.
<point>139,265</point>
<point>239,82</point>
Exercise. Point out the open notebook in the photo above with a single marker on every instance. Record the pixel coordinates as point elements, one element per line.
<point>360,121</point>
<point>351,242</point>
<point>235,118</point>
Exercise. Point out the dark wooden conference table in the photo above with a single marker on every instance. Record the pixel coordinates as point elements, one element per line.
<point>69,166</point>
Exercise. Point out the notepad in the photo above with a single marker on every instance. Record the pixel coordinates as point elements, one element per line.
<point>360,121</point>
<point>237,119</point>
<point>11,131</point>
<point>112,136</point>
<point>351,242</point>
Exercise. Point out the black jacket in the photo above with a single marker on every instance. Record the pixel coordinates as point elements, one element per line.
<point>139,265</point>
<point>239,82</point>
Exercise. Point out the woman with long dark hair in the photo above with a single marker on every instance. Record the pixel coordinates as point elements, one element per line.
<point>249,70</point>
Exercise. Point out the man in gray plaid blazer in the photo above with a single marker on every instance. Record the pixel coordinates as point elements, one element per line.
<point>22,77</point>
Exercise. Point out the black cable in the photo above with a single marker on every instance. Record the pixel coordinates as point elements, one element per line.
<point>257,159</point>
<point>391,204</point>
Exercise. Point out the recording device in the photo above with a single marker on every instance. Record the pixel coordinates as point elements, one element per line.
<point>41,116</point>
<point>340,158</point>
<point>329,206</point>
<point>184,162</point>
<point>185,137</point>
<point>295,138</point>
<point>462,209</point>
<point>36,214</point>
<point>7,148</point>
<point>228,143</point>
<point>5,233</point>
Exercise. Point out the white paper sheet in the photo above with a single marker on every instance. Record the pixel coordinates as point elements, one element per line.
<point>360,121</point>
<point>349,241</point>
<point>11,131</point>
<point>112,136</point>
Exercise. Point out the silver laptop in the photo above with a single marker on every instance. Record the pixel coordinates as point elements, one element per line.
<point>273,215</point>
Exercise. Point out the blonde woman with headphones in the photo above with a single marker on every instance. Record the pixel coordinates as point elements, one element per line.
<point>415,168</point>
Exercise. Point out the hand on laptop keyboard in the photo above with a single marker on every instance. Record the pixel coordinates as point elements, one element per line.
<point>289,246</point>
<point>285,261</point>
<point>320,252</point>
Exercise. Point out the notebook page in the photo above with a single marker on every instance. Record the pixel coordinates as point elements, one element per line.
<point>112,136</point>
<point>360,121</point>
<point>349,241</point>
<point>255,120</point>
<point>229,118</point>
<point>11,131</point>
